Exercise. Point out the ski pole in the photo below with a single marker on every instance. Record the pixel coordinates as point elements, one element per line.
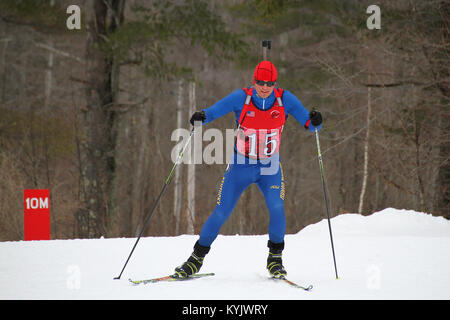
<point>326,199</point>
<point>166,183</point>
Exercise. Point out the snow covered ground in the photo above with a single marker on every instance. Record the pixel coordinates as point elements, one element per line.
<point>391,254</point>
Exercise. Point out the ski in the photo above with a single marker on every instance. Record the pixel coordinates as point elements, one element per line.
<point>292,284</point>
<point>171,277</point>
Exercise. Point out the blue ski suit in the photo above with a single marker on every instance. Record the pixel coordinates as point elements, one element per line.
<point>241,172</point>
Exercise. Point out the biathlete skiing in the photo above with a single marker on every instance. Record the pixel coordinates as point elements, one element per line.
<point>261,111</point>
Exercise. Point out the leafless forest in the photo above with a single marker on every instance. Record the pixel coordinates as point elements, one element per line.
<point>88,113</point>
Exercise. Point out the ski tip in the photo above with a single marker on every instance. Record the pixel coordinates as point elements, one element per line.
<point>133,281</point>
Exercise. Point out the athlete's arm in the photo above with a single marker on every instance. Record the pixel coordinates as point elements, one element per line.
<point>233,102</point>
<point>299,112</point>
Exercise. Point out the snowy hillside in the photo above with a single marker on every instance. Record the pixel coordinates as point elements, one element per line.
<point>387,255</point>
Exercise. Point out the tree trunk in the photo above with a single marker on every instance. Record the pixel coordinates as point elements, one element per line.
<point>45,130</point>
<point>191,169</point>
<point>99,147</point>
<point>366,143</point>
<point>178,190</point>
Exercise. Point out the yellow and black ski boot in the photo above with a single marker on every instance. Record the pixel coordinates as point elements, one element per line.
<point>274,261</point>
<point>193,263</point>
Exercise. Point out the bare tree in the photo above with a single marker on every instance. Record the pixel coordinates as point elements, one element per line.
<point>178,188</point>
<point>191,167</point>
<point>100,120</point>
<point>366,140</point>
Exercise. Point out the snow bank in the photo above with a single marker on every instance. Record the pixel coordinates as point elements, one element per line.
<point>391,254</point>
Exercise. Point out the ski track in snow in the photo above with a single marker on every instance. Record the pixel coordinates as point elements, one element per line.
<point>391,254</point>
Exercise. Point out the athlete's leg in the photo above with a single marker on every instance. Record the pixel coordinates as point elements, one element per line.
<point>273,188</point>
<point>236,179</point>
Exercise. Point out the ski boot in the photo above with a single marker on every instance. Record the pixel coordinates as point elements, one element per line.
<point>193,263</point>
<point>274,262</point>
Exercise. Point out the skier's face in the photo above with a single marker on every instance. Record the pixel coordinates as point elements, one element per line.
<point>264,90</point>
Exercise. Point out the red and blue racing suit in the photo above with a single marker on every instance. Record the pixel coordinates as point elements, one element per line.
<point>256,157</point>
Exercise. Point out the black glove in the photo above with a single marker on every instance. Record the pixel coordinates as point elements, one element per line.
<point>316,118</point>
<point>198,116</point>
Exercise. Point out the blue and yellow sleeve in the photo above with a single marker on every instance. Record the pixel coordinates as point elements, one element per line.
<point>233,102</point>
<point>297,110</point>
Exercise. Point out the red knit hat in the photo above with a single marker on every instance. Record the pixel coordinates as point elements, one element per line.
<point>265,71</point>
